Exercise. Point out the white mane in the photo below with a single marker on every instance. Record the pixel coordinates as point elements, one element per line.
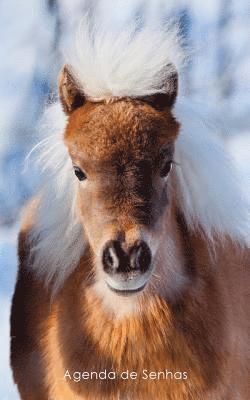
<point>211,189</point>
<point>57,238</point>
<point>135,61</point>
<point>208,185</point>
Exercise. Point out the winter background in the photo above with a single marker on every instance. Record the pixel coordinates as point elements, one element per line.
<point>34,34</point>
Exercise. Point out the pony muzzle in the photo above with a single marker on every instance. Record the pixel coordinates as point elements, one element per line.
<point>126,270</point>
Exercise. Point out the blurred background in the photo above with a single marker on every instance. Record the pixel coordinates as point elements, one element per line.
<point>34,35</point>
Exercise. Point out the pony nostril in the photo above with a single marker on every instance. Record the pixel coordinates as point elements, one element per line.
<point>140,257</point>
<point>116,260</point>
<point>110,259</point>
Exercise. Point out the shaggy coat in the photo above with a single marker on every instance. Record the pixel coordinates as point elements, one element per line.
<point>205,332</point>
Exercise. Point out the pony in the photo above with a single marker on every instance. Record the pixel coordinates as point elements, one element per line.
<point>133,274</point>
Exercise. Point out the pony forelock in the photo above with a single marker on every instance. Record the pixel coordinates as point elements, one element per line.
<point>133,61</point>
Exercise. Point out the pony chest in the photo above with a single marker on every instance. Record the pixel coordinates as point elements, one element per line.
<point>130,360</point>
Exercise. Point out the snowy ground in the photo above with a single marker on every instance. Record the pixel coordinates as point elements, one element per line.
<point>8,263</point>
<point>239,147</point>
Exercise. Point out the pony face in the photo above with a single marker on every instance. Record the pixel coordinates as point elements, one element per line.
<point>122,153</point>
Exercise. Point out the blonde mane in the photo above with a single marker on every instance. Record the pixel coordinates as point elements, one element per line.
<point>134,62</point>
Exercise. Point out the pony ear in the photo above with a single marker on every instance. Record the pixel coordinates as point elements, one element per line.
<point>70,94</point>
<point>165,99</point>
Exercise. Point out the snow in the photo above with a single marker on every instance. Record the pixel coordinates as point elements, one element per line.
<point>239,147</point>
<point>8,263</point>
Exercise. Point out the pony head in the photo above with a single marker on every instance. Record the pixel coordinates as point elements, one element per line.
<point>120,118</point>
<point>122,152</point>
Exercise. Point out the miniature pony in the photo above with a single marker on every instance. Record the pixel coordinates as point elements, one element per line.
<point>133,280</point>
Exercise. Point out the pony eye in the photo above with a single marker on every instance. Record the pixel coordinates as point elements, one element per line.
<point>79,174</point>
<point>166,169</point>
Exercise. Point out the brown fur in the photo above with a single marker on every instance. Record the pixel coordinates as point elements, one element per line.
<point>200,326</point>
<point>205,332</point>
